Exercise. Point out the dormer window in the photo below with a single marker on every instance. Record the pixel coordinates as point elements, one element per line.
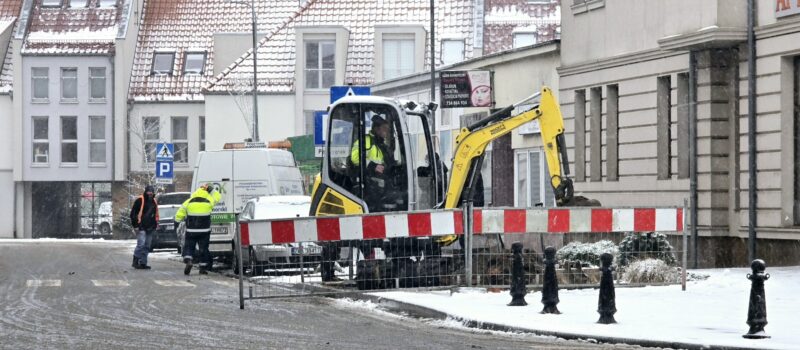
<point>452,51</point>
<point>163,63</point>
<point>51,3</point>
<point>78,3</point>
<point>107,3</point>
<point>524,39</point>
<point>194,62</point>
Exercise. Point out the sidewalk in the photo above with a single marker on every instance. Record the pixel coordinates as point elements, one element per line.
<point>710,313</point>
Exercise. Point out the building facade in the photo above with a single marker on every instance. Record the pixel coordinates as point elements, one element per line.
<point>632,98</point>
<point>67,56</point>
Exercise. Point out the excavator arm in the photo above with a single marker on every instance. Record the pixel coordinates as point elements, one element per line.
<point>473,140</point>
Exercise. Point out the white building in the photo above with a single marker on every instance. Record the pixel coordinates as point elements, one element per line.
<point>67,58</point>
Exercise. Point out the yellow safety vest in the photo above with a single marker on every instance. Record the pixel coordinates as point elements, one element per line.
<point>373,152</point>
<point>197,210</point>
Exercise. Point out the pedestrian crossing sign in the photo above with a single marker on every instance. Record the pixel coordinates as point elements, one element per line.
<point>165,151</point>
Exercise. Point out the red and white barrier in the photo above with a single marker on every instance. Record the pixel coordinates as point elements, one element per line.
<point>446,222</point>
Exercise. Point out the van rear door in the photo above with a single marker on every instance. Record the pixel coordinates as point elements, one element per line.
<point>216,168</point>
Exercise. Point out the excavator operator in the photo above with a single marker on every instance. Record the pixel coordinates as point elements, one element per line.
<point>379,185</point>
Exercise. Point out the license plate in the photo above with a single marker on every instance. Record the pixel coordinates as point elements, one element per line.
<point>220,247</point>
<point>311,250</point>
<point>219,230</point>
<point>169,227</point>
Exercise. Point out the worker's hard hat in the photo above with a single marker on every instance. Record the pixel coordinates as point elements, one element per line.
<point>378,120</point>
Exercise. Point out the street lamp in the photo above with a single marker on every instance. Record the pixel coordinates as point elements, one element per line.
<point>255,65</point>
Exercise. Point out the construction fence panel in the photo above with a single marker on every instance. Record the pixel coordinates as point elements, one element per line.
<point>356,253</point>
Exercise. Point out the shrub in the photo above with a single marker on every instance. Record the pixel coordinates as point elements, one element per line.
<point>650,271</point>
<point>639,246</point>
<point>585,253</point>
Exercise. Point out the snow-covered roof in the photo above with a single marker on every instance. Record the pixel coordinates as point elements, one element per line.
<point>276,51</point>
<point>9,11</point>
<point>69,30</point>
<point>182,26</point>
<point>503,18</point>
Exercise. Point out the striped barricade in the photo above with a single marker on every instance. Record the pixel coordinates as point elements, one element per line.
<point>450,221</point>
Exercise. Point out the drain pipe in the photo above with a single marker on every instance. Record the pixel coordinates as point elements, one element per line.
<point>751,130</point>
<point>693,154</point>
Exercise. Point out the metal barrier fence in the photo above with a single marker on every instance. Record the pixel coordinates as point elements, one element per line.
<point>351,254</point>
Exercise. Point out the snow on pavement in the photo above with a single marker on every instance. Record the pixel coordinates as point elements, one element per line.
<point>711,312</point>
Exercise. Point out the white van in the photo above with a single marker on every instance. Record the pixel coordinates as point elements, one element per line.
<point>242,172</point>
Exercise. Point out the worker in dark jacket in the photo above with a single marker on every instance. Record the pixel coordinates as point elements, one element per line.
<point>144,219</point>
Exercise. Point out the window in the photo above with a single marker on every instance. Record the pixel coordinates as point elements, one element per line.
<point>78,3</point>
<point>69,140</point>
<point>683,125</point>
<point>452,51</point>
<point>41,142</point>
<point>194,63</point>
<point>107,3</point>
<point>524,39</point>
<point>348,156</point>
<point>97,139</point>
<point>580,135</point>
<point>69,84</point>
<point>163,62</point>
<point>151,133</point>
<point>202,134</point>
<point>320,64</point>
<point>51,3</point>
<point>41,82</point>
<point>796,165</point>
<point>398,57</point>
<point>180,139</point>
<point>97,83</point>
<point>532,179</point>
<point>612,132</point>
<point>595,141</point>
<point>663,138</point>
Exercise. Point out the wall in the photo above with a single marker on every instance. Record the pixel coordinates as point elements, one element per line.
<point>6,168</point>
<point>225,123</point>
<point>230,46</point>
<point>626,26</point>
<point>125,47</point>
<point>165,111</point>
<point>82,108</point>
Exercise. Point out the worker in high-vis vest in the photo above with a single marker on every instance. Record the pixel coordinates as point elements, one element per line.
<point>197,212</point>
<point>144,219</point>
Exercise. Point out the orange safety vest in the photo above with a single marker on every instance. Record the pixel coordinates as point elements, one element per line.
<point>141,208</point>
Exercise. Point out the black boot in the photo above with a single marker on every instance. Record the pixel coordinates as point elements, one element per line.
<point>188,268</point>
<point>134,264</point>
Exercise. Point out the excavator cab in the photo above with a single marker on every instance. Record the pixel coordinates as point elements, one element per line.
<point>375,159</point>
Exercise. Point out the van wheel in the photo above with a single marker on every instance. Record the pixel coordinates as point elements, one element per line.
<point>105,229</point>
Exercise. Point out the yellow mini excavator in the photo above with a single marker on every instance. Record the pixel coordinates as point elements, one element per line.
<point>379,157</point>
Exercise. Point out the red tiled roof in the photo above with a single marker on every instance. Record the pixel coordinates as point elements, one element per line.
<point>184,25</point>
<point>276,56</point>
<point>72,31</point>
<point>9,11</point>
<point>504,17</point>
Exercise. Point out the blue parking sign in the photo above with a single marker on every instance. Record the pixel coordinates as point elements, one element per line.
<point>164,172</point>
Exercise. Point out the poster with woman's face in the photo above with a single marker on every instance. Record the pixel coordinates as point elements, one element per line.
<point>481,90</point>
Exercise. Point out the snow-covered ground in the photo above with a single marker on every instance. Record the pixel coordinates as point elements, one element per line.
<point>710,312</point>
<point>68,240</point>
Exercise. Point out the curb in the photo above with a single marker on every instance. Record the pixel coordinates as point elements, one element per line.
<point>424,312</point>
<point>417,311</point>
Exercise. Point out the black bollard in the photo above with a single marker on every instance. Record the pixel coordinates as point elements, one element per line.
<point>757,311</point>
<point>518,287</point>
<point>607,306</point>
<point>550,284</point>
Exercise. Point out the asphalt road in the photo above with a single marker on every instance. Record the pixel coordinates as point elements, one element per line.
<point>85,295</point>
